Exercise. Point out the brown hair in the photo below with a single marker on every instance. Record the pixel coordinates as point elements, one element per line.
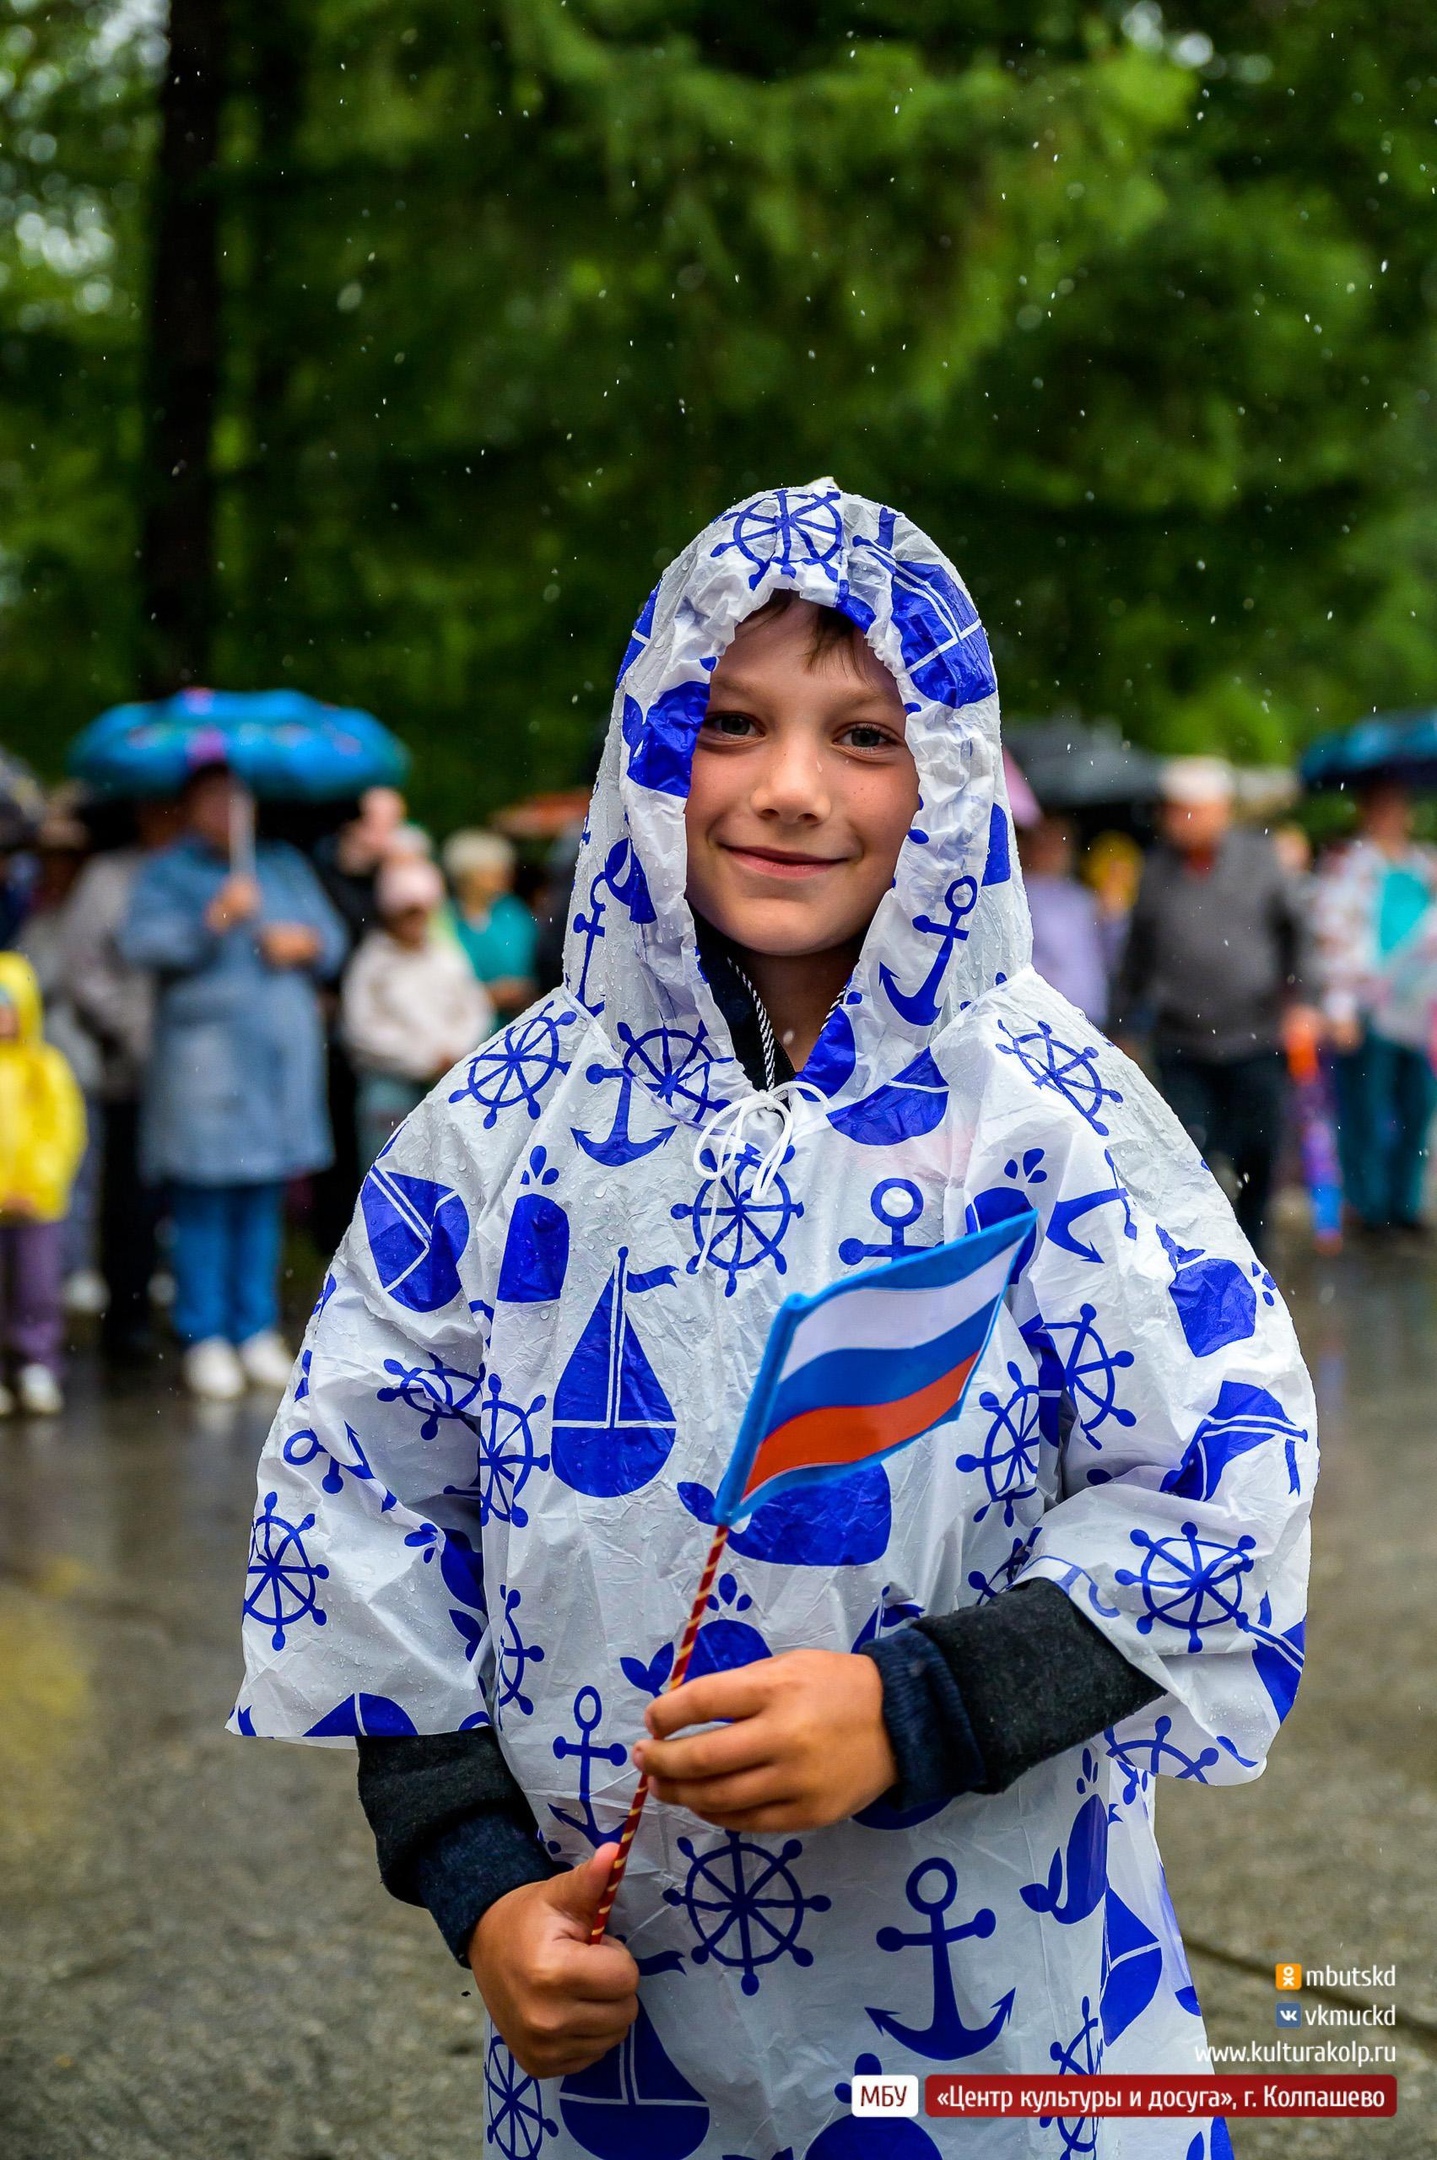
<point>833,631</point>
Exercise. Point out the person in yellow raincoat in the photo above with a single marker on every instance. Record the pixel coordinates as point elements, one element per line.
<point>42,1137</point>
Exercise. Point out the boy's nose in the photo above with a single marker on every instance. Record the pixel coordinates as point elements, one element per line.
<point>792,785</point>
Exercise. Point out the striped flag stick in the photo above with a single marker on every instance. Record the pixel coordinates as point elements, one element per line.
<point>676,1679</point>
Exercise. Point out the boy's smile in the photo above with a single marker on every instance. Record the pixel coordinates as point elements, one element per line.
<point>803,789</point>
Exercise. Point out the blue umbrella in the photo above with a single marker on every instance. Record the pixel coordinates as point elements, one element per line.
<point>281,743</point>
<point>1392,746</point>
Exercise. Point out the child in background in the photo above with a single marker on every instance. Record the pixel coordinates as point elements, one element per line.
<point>799,1033</point>
<point>42,1138</point>
<point>1068,949</point>
<point>412,1005</point>
<point>495,929</point>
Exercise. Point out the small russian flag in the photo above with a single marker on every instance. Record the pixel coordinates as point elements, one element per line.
<point>868,1365</point>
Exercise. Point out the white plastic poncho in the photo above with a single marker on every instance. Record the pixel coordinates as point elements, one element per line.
<point>485,1496</point>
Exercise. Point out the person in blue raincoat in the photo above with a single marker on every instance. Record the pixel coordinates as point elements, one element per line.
<point>905,1798</point>
<point>234,1094</point>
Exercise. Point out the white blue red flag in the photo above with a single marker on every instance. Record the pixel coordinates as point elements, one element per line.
<point>868,1365</point>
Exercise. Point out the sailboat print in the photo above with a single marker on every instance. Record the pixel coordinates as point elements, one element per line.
<point>613,1423</point>
<point>634,2103</point>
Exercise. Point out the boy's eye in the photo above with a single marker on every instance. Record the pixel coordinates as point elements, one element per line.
<point>733,724</point>
<point>864,736</point>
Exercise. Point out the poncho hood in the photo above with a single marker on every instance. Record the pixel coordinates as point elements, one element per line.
<point>955,922</point>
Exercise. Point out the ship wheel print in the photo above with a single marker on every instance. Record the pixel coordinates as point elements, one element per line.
<point>1071,1073</point>
<point>281,1576</point>
<point>514,2117</point>
<point>1009,1461</point>
<point>1081,2057</point>
<point>513,1657</point>
<point>676,1063</point>
<point>434,1392</point>
<point>790,523</point>
<point>732,1225</point>
<point>517,1066</point>
<point>1090,1372</point>
<point>1189,1582</point>
<point>507,1459</point>
<point>744,1904</point>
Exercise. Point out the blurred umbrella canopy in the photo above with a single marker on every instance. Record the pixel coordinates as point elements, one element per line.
<point>1386,746</point>
<point>285,746</point>
<point>1075,764</point>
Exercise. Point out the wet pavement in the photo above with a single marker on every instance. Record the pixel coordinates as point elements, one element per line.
<point>196,1959</point>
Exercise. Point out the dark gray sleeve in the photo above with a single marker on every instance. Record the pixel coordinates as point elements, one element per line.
<point>452,1828</point>
<point>972,1699</point>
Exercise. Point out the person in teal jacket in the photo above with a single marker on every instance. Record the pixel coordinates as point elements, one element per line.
<point>234,1102</point>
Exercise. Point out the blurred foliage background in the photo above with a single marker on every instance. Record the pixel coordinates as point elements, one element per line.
<point>387,347</point>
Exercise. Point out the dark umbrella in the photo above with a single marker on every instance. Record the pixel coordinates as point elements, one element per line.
<point>1386,746</point>
<point>1083,764</point>
<point>282,744</point>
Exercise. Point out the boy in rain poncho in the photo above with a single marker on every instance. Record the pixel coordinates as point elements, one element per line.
<point>483,1505</point>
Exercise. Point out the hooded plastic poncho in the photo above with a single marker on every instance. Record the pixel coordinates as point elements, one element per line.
<point>485,1495</point>
<point>42,1112</point>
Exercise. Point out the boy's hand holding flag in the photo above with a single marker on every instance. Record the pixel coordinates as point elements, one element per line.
<point>852,1374</point>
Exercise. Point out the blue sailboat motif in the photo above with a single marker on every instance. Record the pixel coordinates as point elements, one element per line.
<point>613,1423</point>
<point>634,2103</point>
<point>1132,1967</point>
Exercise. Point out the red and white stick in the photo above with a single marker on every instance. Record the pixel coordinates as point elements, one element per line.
<point>676,1679</point>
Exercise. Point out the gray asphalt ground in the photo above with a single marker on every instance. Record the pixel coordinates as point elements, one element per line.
<point>196,1959</point>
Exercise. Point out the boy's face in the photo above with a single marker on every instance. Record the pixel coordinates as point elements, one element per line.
<point>9,1022</point>
<point>803,790</point>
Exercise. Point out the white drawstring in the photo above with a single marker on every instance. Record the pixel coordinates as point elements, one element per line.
<point>726,1136</point>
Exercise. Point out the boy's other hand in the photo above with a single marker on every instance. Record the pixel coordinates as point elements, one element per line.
<point>558,2001</point>
<point>806,1744</point>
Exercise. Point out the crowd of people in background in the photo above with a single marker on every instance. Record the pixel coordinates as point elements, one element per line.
<point>196,1051</point>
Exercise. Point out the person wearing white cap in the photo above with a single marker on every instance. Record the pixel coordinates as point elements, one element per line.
<point>412,1005</point>
<point>1215,964</point>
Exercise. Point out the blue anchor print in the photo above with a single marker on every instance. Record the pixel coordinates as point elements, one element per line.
<point>622,877</point>
<point>588,1715</point>
<point>618,1146</point>
<point>921,1006</point>
<point>897,1203</point>
<point>1067,1212</point>
<point>945,2038</point>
